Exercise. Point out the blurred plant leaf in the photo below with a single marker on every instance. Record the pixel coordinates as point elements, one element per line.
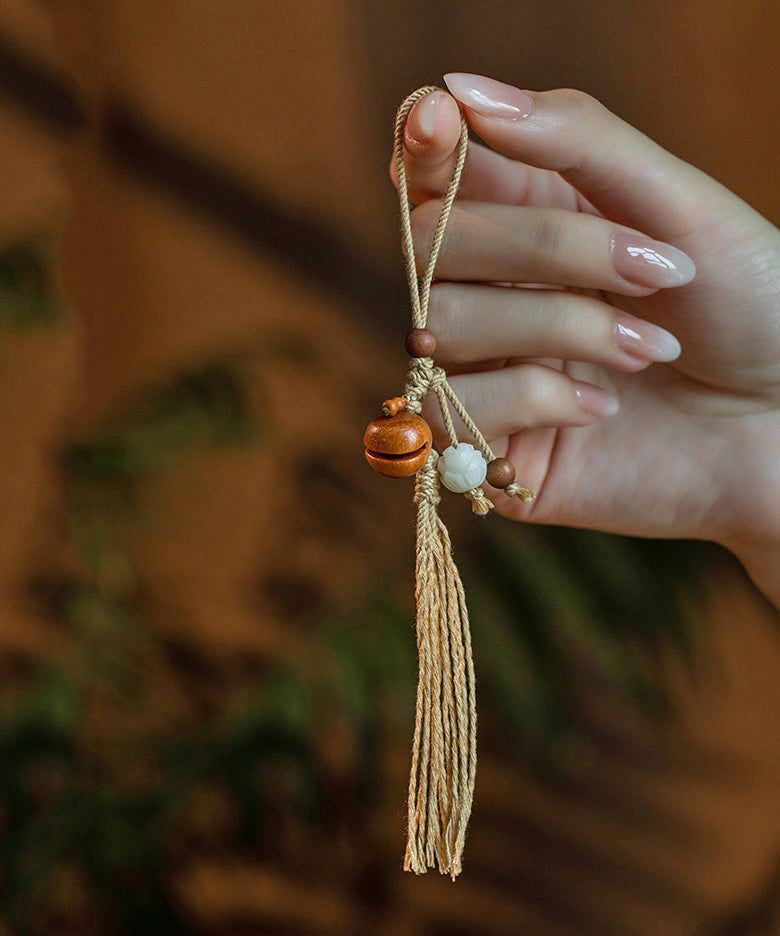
<point>375,649</point>
<point>520,682</point>
<point>539,595</point>
<point>636,583</point>
<point>206,408</point>
<point>28,295</point>
<point>50,709</point>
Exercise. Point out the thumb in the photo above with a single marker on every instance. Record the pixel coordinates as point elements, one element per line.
<point>624,174</point>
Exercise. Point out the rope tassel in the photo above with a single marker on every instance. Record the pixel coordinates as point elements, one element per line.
<point>400,444</point>
<point>444,752</point>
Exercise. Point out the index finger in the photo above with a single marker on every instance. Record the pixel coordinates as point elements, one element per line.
<point>623,173</point>
<point>431,138</point>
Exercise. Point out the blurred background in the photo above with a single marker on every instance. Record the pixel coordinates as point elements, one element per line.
<point>207,658</point>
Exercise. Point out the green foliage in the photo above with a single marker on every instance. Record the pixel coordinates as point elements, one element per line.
<point>27,294</point>
<point>375,654</point>
<point>62,814</point>
<point>64,809</point>
<point>547,601</point>
<point>260,751</point>
<point>204,408</point>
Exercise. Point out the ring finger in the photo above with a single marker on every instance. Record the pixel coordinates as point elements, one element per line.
<point>524,396</point>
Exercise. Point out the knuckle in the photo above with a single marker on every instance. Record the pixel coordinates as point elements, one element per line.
<point>535,390</point>
<point>577,103</point>
<point>551,242</point>
<point>584,117</point>
<point>441,307</point>
<point>533,383</point>
<point>572,319</point>
<point>546,387</point>
<point>424,218</point>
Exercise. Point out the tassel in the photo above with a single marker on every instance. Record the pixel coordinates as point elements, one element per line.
<point>397,445</point>
<point>444,753</point>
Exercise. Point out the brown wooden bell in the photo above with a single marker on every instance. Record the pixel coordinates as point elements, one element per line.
<point>398,446</point>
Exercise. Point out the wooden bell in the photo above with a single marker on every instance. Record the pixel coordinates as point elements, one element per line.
<point>398,446</point>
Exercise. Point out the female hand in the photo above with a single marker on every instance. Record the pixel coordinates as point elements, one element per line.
<point>578,377</point>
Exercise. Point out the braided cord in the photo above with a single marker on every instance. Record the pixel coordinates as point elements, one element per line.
<point>424,376</point>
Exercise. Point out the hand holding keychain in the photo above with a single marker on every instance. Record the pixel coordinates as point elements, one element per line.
<point>400,444</point>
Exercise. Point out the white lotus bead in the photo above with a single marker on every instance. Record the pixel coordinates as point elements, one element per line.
<point>462,468</point>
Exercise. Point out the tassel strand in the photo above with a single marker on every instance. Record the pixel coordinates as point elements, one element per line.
<point>441,786</point>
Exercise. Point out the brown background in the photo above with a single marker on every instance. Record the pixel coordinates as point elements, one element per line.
<point>239,551</point>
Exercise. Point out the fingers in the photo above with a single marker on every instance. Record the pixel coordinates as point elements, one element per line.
<point>431,137</point>
<point>525,396</point>
<point>620,171</point>
<point>475,324</point>
<point>504,244</point>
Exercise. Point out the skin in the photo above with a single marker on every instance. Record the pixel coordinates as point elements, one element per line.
<point>693,450</point>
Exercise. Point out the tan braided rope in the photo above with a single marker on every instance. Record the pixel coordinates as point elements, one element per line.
<point>444,749</point>
<point>424,376</point>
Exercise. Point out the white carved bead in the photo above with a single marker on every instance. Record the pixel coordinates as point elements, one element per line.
<point>462,468</point>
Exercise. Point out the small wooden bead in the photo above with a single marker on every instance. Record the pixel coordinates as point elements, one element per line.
<point>500,473</point>
<point>420,343</point>
<point>394,405</point>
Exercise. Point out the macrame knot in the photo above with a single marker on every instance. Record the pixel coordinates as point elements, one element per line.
<point>526,495</point>
<point>480,503</point>
<point>438,379</point>
<point>423,377</point>
<point>427,487</point>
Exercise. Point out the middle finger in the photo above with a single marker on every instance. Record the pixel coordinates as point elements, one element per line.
<point>486,242</point>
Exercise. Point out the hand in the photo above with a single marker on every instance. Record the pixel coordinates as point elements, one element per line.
<point>579,379</point>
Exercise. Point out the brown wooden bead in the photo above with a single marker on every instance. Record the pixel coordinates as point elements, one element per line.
<point>398,446</point>
<point>394,405</point>
<point>420,343</point>
<point>500,472</point>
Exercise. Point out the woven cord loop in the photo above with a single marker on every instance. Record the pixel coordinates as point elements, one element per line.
<point>424,377</point>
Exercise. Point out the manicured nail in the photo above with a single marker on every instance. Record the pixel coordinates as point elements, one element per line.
<point>649,262</point>
<point>643,340</point>
<point>421,123</point>
<point>488,97</point>
<point>594,401</point>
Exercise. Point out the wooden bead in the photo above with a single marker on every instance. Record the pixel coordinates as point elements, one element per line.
<point>420,343</point>
<point>398,446</point>
<point>394,405</point>
<point>500,473</point>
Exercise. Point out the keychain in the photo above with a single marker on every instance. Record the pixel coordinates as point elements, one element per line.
<point>399,444</point>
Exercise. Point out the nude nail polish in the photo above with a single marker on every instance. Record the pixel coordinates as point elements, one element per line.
<point>421,124</point>
<point>643,340</point>
<point>652,263</point>
<point>594,401</point>
<point>488,97</point>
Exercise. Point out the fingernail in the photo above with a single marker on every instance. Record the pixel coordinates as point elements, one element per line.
<point>643,340</point>
<point>594,401</point>
<point>488,97</point>
<point>421,123</point>
<point>649,262</point>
